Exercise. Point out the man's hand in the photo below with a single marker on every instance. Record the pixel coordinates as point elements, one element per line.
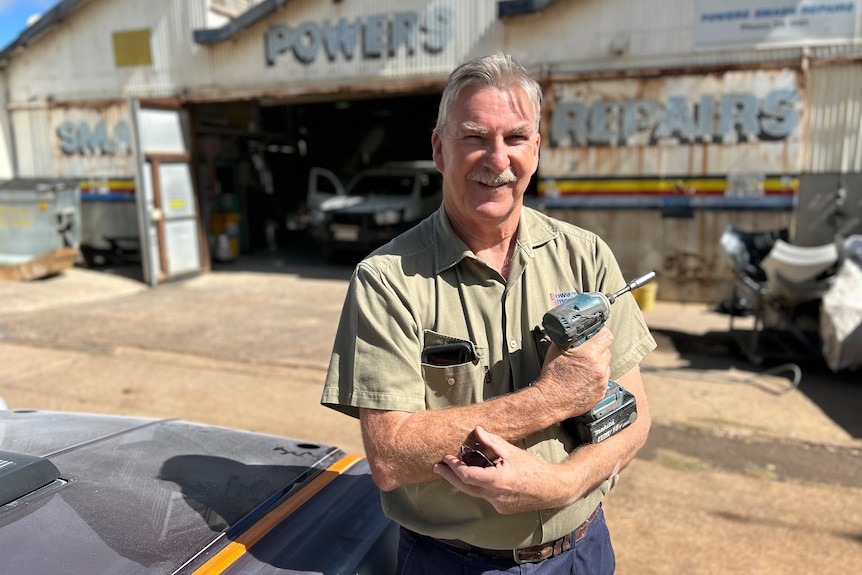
<point>519,481</point>
<point>575,380</point>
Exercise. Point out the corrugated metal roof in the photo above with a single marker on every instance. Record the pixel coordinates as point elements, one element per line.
<point>56,14</point>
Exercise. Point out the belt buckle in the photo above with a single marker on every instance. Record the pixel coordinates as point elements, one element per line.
<point>538,556</point>
<point>553,548</point>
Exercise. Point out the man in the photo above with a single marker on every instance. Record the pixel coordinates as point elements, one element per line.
<point>439,355</point>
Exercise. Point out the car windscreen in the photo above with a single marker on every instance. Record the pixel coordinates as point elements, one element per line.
<point>383,185</point>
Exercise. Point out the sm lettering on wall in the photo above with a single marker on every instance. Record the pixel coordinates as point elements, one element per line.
<point>370,37</point>
<point>82,138</point>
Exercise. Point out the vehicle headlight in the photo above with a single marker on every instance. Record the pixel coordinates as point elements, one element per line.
<point>317,217</point>
<point>387,217</point>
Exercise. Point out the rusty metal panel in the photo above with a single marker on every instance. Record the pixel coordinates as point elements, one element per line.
<point>32,149</point>
<point>689,262</point>
<point>834,119</point>
<point>728,140</point>
<point>93,140</point>
<point>688,125</point>
<point>90,140</point>
<point>660,165</point>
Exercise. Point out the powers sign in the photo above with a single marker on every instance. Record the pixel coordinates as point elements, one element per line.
<point>367,37</point>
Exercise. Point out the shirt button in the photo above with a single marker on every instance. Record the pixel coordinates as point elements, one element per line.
<point>451,381</point>
<point>513,344</point>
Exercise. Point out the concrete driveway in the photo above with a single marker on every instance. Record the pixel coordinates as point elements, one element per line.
<point>743,473</point>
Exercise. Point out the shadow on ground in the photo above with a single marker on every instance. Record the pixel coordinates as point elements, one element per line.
<point>759,457</point>
<point>293,262</point>
<point>838,395</point>
<point>301,258</point>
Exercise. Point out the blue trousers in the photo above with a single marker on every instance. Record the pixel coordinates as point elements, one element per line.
<point>421,555</point>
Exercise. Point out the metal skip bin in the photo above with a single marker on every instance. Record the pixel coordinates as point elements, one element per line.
<point>40,229</point>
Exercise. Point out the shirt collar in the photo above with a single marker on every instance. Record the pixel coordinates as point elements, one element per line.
<point>450,249</point>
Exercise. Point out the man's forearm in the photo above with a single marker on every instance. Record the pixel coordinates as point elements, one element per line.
<point>403,447</point>
<point>523,482</point>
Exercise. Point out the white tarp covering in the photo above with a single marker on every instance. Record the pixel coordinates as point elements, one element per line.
<point>841,318</point>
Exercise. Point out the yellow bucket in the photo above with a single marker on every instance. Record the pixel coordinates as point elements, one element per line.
<point>645,296</point>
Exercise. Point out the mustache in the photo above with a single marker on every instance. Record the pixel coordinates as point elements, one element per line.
<point>491,179</point>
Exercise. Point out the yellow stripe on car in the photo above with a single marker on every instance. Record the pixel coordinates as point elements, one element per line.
<point>235,549</point>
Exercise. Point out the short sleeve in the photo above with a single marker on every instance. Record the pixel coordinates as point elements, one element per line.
<point>376,355</point>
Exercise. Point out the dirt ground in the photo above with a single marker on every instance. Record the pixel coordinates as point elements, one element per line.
<point>743,473</point>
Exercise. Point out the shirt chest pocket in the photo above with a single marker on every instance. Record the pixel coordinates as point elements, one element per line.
<point>453,370</point>
<point>461,384</point>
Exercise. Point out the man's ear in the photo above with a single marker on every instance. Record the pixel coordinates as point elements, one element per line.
<point>437,150</point>
<point>538,150</point>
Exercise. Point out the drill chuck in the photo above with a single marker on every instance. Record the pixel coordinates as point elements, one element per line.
<point>633,285</point>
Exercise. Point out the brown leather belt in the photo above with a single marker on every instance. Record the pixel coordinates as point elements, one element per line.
<point>534,553</point>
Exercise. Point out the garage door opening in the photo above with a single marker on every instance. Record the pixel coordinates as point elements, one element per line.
<point>255,161</point>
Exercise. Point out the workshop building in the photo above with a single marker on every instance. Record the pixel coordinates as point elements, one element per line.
<point>191,121</point>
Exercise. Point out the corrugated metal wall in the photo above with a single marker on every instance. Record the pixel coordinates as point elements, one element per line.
<point>470,28</point>
<point>603,36</point>
<point>54,66</point>
<point>7,145</point>
<point>74,61</point>
<point>33,147</point>
<point>690,263</point>
<point>49,76</point>
<point>634,49</point>
<point>639,155</point>
<point>610,34</point>
<point>89,140</point>
<point>833,122</point>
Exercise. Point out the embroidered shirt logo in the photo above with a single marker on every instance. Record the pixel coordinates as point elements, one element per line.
<point>561,298</point>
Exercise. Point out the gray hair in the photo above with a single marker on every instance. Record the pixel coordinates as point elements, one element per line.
<point>494,71</point>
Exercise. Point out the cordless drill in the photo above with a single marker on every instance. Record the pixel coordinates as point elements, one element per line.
<point>569,325</point>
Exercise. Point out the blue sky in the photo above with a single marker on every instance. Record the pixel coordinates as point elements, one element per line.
<point>14,14</point>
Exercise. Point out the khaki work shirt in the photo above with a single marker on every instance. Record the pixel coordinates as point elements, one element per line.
<point>426,288</point>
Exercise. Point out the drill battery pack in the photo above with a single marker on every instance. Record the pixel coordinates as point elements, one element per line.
<point>611,415</point>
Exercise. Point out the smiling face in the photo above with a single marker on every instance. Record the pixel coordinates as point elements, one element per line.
<point>487,153</point>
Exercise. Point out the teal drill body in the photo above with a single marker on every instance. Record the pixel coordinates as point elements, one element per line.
<point>571,324</point>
